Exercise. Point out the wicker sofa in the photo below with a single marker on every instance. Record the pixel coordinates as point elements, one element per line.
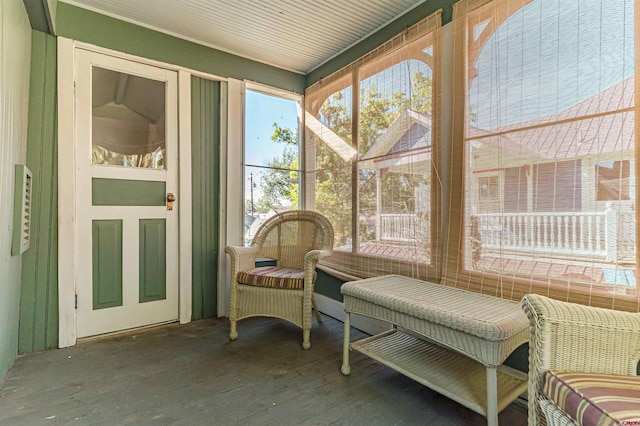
<point>583,364</point>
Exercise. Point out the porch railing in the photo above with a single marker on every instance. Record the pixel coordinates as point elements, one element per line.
<point>402,228</point>
<point>607,235</point>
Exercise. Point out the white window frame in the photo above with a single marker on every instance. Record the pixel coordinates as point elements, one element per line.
<point>291,96</point>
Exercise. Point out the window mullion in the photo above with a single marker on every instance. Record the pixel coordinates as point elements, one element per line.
<point>355,137</point>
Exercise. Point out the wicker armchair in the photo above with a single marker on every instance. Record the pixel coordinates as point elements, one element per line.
<point>571,338</point>
<point>296,239</point>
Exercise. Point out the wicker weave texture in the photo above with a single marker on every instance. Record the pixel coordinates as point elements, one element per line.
<point>295,239</point>
<point>568,336</point>
<point>483,327</point>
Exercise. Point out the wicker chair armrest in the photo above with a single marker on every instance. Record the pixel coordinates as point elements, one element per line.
<point>312,257</point>
<point>242,258</point>
<point>310,262</point>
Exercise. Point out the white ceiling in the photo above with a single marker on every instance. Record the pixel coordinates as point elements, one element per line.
<point>297,35</point>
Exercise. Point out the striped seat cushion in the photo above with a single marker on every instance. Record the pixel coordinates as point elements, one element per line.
<point>595,399</point>
<point>274,277</point>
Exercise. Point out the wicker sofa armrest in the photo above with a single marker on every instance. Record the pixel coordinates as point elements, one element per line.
<point>573,337</point>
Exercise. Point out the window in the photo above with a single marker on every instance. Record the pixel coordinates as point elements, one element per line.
<point>272,171</point>
<point>544,95</point>
<point>371,133</point>
<point>488,194</point>
<point>127,120</point>
<point>613,180</point>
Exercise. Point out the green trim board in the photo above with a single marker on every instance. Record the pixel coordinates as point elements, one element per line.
<point>106,263</point>
<point>381,36</point>
<point>152,260</point>
<point>39,290</point>
<point>83,25</point>
<point>205,177</point>
<point>41,14</point>
<point>123,192</point>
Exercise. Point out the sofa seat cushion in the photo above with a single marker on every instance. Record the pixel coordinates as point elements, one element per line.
<point>274,277</point>
<point>595,399</point>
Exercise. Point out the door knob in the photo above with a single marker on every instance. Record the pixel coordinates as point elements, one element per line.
<point>170,200</point>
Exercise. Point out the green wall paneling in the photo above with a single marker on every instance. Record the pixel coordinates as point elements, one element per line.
<point>122,192</point>
<point>107,263</point>
<point>153,260</point>
<point>83,25</point>
<point>328,285</point>
<point>39,291</point>
<point>205,157</point>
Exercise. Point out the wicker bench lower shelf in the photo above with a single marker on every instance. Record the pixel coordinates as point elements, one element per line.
<point>449,373</point>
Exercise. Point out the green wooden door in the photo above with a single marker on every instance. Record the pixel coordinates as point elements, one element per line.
<point>127,169</point>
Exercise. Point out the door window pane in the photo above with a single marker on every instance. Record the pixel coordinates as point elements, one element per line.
<point>128,120</point>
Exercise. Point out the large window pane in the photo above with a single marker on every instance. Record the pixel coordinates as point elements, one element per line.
<point>370,157</point>
<point>395,147</point>
<point>272,158</point>
<point>330,154</point>
<point>550,144</point>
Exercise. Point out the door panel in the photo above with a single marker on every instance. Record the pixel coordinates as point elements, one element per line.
<point>152,257</point>
<point>122,192</point>
<point>107,263</point>
<point>126,156</point>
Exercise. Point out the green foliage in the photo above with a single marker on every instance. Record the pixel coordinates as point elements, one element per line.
<point>279,183</point>
<point>333,179</point>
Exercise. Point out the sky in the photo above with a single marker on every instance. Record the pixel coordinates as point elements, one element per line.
<point>553,54</point>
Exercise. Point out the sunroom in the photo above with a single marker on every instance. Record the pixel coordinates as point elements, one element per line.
<point>486,145</point>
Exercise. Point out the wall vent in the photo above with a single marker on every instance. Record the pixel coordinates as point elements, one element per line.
<point>22,210</point>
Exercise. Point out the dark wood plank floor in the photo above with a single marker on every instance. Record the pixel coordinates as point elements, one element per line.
<point>192,374</point>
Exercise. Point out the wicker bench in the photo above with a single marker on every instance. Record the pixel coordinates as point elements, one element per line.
<point>453,341</point>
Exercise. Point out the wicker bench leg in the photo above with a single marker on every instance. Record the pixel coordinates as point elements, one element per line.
<point>346,369</point>
<point>492,396</point>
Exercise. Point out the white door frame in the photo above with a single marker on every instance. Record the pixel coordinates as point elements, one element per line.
<point>67,249</point>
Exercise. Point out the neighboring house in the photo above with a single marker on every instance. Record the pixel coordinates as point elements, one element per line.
<point>256,222</point>
<point>531,157</point>
<point>559,183</point>
<point>515,170</point>
<point>404,148</point>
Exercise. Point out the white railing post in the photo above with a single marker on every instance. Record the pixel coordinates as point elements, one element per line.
<point>611,233</point>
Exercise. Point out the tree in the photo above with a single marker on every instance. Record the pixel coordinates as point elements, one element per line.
<point>333,176</point>
<point>333,187</point>
<point>279,182</point>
